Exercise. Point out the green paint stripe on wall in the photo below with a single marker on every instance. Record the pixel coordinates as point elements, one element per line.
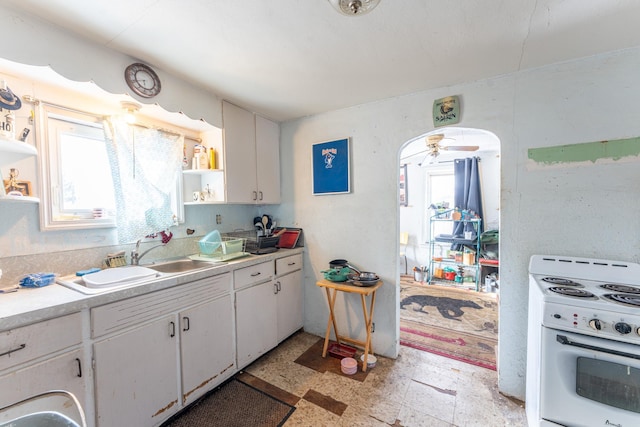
<point>587,151</point>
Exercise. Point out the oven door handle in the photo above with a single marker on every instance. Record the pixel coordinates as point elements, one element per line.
<point>566,341</point>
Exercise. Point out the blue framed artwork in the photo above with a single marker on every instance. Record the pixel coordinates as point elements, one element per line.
<point>331,169</point>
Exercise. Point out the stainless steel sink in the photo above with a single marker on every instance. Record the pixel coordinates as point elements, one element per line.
<point>181,265</point>
<point>130,276</point>
<point>41,419</point>
<point>55,408</point>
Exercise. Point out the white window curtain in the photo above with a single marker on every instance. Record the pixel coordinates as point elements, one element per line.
<point>145,164</point>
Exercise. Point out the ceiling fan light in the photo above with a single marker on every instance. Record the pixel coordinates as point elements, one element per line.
<point>354,7</point>
<point>435,138</point>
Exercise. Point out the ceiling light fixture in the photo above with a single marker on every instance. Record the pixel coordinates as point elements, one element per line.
<point>354,7</point>
<point>130,108</point>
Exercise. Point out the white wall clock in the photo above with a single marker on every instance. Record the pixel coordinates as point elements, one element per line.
<point>142,80</point>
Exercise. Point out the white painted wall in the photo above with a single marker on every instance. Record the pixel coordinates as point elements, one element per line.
<point>584,211</point>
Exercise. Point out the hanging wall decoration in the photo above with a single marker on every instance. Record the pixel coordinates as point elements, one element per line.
<point>331,167</point>
<point>404,201</point>
<point>446,111</point>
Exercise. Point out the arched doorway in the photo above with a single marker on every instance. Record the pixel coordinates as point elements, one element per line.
<point>426,165</point>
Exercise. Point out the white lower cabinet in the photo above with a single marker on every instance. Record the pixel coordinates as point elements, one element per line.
<point>63,372</point>
<point>149,372</point>
<point>136,375</point>
<point>256,320</point>
<point>41,357</point>
<point>207,350</point>
<point>267,312</point>
<point>289,296</point>
<point>289,304</point>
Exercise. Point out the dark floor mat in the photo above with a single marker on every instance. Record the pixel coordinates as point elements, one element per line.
<point>234,404</point>
<point>312,359</point>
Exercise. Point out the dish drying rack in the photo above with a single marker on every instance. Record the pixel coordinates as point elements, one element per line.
<point>255,244</point>
<point>226,248</point>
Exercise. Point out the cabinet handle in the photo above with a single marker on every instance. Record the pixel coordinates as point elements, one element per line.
<point>255,195</point>
<point>6,353</point>
<point>79,367</point>
<point>291,263</point>
<point>255,274</point>
<point>187,324</point>
<point>260,193</point>
<point>172,329</point>
<point>279,286</point>
<point>275,288</point>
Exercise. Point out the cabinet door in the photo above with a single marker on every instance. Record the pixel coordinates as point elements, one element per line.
<point>289,307</point>
<point>63,372</point>
<point>136,375</point>
<point>207,353</point>
<point>256,322</point>
<point>268,160</point>
<point>239,154</point>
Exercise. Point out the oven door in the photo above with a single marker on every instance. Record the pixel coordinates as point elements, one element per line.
<point>589,381</point>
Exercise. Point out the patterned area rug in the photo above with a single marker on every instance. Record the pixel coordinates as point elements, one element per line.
<point>234,404</point>
<point>455,323</point>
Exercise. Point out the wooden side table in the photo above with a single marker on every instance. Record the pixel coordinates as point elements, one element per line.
<point>332,289</point>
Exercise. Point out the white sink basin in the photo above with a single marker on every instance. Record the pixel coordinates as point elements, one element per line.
<point>118,276</point>
<point>109,279</point>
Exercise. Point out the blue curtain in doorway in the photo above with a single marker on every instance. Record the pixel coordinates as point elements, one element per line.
<point>467,192</point>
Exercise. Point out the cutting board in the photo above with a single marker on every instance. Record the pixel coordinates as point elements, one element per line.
<point>289,239</point>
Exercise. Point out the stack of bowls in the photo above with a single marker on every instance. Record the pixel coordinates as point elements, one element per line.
<point>349,366</point>
<point>371,361</point>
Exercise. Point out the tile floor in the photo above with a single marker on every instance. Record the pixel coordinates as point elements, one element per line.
<point>416,389</point>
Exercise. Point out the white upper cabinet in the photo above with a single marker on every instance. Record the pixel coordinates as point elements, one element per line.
<point>252,157</point>
<point>268,161</point>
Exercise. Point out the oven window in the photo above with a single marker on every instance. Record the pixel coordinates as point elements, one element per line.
<point>610,383</point>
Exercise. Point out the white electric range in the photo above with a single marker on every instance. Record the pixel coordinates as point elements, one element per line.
<point>583,355</point>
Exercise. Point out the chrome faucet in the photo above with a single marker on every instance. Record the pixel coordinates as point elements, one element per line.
<point>136,256</point>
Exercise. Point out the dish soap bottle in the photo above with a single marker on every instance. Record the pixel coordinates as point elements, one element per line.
<point>212,158</point>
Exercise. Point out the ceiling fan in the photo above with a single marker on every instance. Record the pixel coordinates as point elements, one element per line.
<point>434,147</point>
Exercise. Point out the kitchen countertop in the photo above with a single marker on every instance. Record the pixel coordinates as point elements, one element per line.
<point>31,305</point>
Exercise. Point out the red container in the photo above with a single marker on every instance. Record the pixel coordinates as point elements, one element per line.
<point>340,351</point>
<point>450,275</point>
<point>289,239</point>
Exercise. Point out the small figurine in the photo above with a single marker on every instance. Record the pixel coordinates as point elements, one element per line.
<point>13,184</point>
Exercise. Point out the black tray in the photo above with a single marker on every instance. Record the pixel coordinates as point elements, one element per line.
<point>262,245</point>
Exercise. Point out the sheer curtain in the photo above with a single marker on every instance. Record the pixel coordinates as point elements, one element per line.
<point>467,191</point>
<point>145,165</point>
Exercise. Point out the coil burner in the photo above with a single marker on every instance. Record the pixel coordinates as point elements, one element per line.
<point>626,299</point>
<point>623,289</point>
<point>561,282</point>
<point>572,292</point>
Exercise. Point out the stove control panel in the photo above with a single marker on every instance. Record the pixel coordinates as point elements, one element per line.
<point>604,324</point>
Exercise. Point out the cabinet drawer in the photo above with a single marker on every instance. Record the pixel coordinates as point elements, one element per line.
<point>255,274</point>
<point>288,264</point>
<point>30,342</point>
<point>118,315</point>
<point>62,372</point>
